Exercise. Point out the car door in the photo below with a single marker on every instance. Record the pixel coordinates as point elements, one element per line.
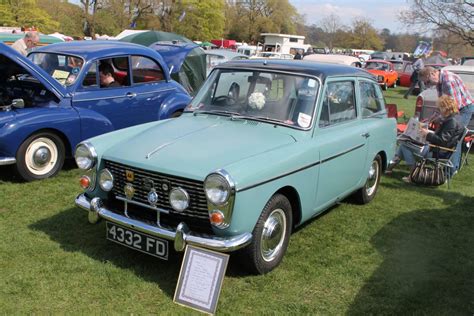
<point>342,139</point>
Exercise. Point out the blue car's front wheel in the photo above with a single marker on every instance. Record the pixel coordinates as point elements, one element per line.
<point>40,156</point>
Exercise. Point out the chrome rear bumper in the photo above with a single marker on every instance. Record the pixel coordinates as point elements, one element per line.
<point>181,236</point>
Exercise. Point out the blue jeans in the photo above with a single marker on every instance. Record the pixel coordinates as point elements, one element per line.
<point>465,118</point>
<point>407,153</point>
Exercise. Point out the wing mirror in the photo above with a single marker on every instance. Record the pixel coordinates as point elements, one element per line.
<point>18,103</point>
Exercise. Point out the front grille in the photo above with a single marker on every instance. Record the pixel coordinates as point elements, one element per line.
<point>195,216</point>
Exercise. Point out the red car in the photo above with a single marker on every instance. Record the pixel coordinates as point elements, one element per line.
<point>405,75</point>
<point>384,71</point>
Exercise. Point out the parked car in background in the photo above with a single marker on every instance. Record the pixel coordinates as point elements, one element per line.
<point>264,147</point>
<point>383,71</point>
<point>426,108</point>
<point>405,75</point>
<point>9,39</point>
<point>467,61</point>
<point>272,55</point>
<point>400,66</point>
<point>53,100</point>
<point>334,59</point>
<point>215,57</point>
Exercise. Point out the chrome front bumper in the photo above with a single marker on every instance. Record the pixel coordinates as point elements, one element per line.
<point>7,161</point>
<point>181,236</point>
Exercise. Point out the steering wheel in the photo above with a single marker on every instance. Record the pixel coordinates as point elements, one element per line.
<point>228,99</point>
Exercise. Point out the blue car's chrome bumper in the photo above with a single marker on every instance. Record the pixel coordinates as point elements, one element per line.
<point>7,161</point>
<point>181,236</point>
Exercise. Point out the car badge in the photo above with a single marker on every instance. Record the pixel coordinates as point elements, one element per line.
<point>152,197</point>
<point>130,175</point>
<point>129,191</point>
<point>148,184</point>
<point>165,185</point>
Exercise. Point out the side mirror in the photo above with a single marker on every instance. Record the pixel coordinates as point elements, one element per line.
<point>18,103</point>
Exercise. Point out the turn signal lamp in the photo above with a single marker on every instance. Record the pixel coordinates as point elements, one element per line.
<point>217,219</point>
<point>85,182</point>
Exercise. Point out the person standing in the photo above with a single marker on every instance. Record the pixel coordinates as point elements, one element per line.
<point>25,44</point>
<point>415,78</point>
<point>451,84</point>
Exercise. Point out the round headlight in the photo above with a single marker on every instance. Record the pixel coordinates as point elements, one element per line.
<point>106,180</point>
<point>217,189</point>
<point>85,156</point>
<point>179,199</point>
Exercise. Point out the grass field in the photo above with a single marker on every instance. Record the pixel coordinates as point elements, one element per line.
<point>410,251</point>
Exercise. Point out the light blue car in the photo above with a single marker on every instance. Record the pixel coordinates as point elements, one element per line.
<point>262,148</point>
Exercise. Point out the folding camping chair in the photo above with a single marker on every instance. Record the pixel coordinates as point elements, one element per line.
<point>393,112</point>
<point>443,156</point>
<point>467,145</point>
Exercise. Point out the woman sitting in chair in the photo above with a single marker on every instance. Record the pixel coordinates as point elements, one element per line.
<point>446,135</point>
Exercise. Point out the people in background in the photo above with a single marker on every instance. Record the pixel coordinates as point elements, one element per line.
<point>299,54</point>
<point>106,74</point>
<point>415,78</point>
<point>27,43</point>
<point>446,135</point>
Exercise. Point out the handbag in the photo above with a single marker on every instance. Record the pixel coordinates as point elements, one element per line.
<point>430,173</point>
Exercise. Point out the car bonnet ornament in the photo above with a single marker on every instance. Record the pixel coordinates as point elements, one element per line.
<point>129,191</point>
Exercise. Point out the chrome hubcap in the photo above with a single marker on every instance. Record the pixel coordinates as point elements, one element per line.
<point>273,235</point>
<point>41,156</point>
<point>372,178</point>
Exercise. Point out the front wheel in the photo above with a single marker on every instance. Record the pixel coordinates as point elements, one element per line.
<point>367,193</point>
<point>394,85</point>
<point>40,156</point>
<point>385,86</point>
<point>270,236</point>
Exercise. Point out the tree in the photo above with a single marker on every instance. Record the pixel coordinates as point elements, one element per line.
<point>68,15</point>
<point>364,35</point>
<point>453,16</point>
<point>26,13</point>
<point>330,25</point>
<point>200,19</point>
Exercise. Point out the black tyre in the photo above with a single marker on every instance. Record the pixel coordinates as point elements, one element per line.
<point>385,86</point>
<point>176,114</point>
<point>394,85</point>
<point>270,236</point>
<point>367,193</point>
<point>40,156</point>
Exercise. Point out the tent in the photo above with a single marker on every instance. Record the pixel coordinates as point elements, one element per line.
<point>437,59</point>
<point>187,62</point>
<point>149,37</point>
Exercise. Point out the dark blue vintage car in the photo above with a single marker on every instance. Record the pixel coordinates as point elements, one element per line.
<point>57,97</point>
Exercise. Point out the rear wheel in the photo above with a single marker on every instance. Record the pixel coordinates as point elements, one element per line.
<point>40,156</point>
<point>385,86</point>
<point>270,236</point>
<point>367,193</point>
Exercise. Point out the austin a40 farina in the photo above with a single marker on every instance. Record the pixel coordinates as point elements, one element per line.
<point>262,148</point>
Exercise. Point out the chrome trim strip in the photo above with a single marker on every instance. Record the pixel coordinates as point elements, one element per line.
<point>223,244</point>
<point>7,161</point>
<point>141,204</point>
<point>300,169</point>
<point>124,96</point>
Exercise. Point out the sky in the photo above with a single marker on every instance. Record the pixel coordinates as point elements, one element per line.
<point>381,13</point>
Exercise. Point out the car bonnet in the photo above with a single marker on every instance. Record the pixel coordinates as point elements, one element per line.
<point>192,147</point>
<point>49,82</point>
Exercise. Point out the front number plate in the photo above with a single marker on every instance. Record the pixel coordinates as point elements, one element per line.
<point>139,241</point>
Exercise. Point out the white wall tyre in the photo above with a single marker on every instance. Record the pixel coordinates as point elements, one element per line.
<point>270,236</point>
<point>40,156</point>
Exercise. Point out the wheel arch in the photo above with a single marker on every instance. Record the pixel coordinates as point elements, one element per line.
<point>59,133</point>
<point>383,156</point>
<point>294,198</point>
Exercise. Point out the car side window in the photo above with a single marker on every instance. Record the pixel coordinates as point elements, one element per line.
<point>371,99</point>
<point>145,69</point>
<point>338,103</point>
<point>90,80</point>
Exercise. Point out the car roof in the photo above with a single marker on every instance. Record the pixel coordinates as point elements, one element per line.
<point>93,49</point>
<point>321,70</point>
<point>332,58</point>
<point>460,68</point>
<point>224,52</point>
<point>378,61</point>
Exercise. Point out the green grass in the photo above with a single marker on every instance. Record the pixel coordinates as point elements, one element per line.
<point>410,251</point>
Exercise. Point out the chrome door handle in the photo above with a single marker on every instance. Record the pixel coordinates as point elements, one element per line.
<point>131,95</point>
<point>366,135</point>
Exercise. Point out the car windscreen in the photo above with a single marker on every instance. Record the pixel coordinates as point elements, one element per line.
<point>64,68</point>
<point>284,99</point>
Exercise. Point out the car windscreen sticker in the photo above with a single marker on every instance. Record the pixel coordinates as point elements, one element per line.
<point>60,75</point>
<point>75,70</point>
<point>304,120</point>
<point>311,83</point>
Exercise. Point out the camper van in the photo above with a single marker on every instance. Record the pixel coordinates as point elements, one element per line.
<point>249,50</point>
<point>284,43</point>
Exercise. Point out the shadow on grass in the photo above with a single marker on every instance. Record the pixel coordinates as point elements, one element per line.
<point>428,265</point>
<point>72,231</point>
